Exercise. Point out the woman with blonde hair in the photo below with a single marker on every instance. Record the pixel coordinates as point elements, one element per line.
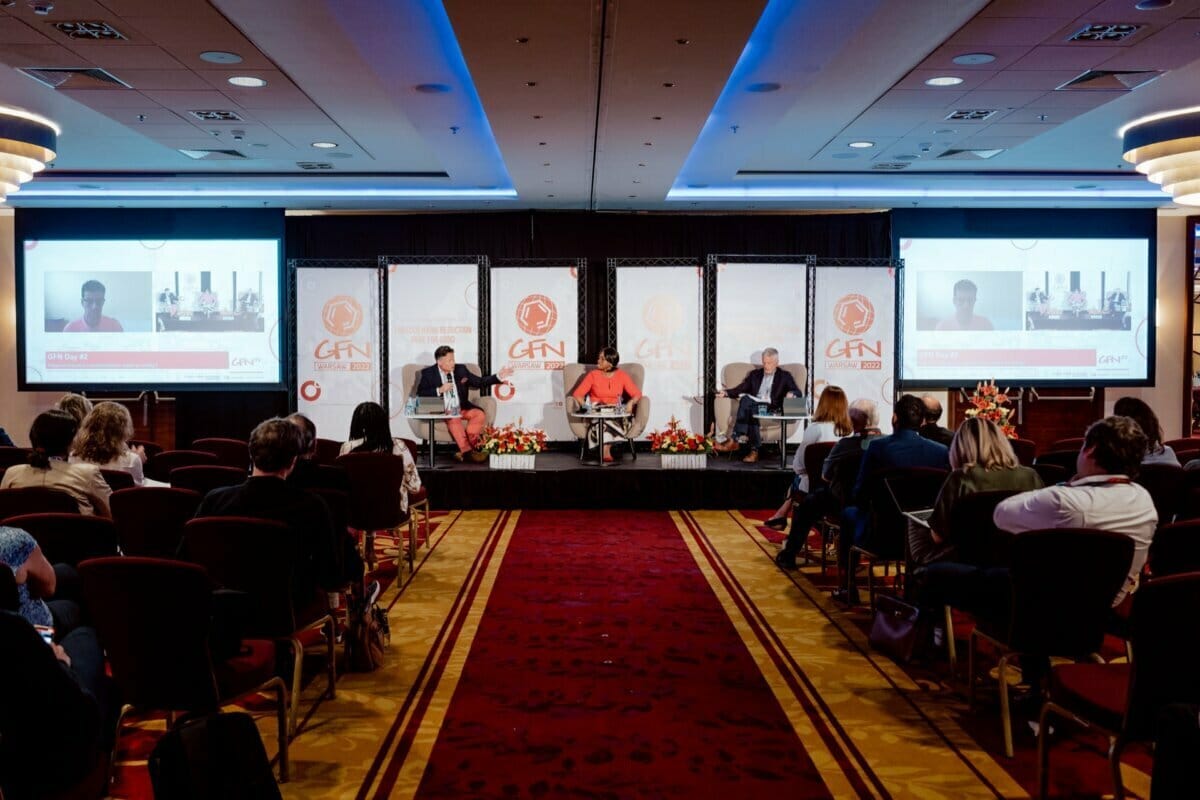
<point>981,460</point>
<point>103,440</point>
<point>830,422</point>
<point>76,405</point>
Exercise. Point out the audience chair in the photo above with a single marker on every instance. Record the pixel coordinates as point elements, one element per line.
<point>1165,483</point>
<point>1059,458</point>
<point>229,452</point>
<point>828,526</point>
<point>35,500</point>
<point>203,478</point>
<point>256,556</point>
<point>12,456</point>
<point>1053,473</point>
<point>1053,607</point>
<point>158,467</point>
<point>1122,701</point>
<point>1025,450</point>
<point>148,447</point>
<point>328,476</point>
<point>117,479</point>
<point>1175,549</point>
<point>150,519</point>
<point>418,501</point>
<point>327,451</point>
<point>1191,505</point>
<point>410,376</point>
<point>375,481</point>
<point>574,373</point>
<point>725,408</point>
<point>152,617</point>
<point>1184,445</point>
<point>1066,444</point>
<point>69,538</point>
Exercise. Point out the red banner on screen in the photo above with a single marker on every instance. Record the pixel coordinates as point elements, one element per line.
<point>74,359</point>
<point>991,358</point>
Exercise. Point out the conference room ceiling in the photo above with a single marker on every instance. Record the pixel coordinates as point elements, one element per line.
<point>610,105</point>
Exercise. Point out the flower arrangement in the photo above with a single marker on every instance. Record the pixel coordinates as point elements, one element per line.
<point>991,404</point>
<point>512,439</point>
<point>676,439</point>
<point>1077,301</point>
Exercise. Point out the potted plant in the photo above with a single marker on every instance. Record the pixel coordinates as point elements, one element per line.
<point>679,448</point>
<point>512,446</point>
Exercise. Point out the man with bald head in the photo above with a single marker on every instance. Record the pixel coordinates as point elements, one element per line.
<point>933,414</point>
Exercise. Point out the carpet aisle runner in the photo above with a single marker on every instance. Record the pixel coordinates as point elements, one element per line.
<point>605,666</point>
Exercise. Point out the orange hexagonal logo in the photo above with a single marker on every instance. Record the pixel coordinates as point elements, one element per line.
<point>536,315</point>
<point>342,315</point>
<point>662,315</point>
<point>853,314</point>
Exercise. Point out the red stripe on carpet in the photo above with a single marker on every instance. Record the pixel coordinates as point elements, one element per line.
<point>604,666</point>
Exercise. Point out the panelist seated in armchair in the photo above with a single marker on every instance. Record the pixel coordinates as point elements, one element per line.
<point>767,385</point>
<point>446,377</point>
<point>609,386</point>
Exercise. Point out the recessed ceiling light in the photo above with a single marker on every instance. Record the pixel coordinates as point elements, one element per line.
<point>683,41</point>
<point>247,81</point>
<point>1154,5</point>
<point>862,145</point>
<point>531,84</point>
<point>765,86</point>
<point>657,119</point>
<point>974,59</point>
<point>220,57</point>
<point>944,80</point>
<point>541,144</point>
<point>324,145</point>
<point>668,85</point>
<point>648,144</point>
<point>522,40</point>
<point>432,88</point>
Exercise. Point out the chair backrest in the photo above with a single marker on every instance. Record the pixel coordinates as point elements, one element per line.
<point>1059,458</point>
<point>814,459</point>
<point>150,519</point>
<point>9,599</point>
<point>976,538</point>
<point>899,490</point>
<point>327,451</point>
<point>375,481</point>
<point>1059,605</point>
<point>159,466</point>
<point>734,373</point>
<point>229,452</point>
<point>251,555</point>
<point>11,456</point>
<point>1165,654</point>
<point>1025,450</point>
<point>1164,482</point>
<point>203,478</point>
<point>1066,444</point>
<point>150,448</point>
<point>1052,473</point>
<point>69,538</point>
<point>35,500</point>
<point>117,479</point>
<point>1175,549</point>
<point>1186,445</point>
<point>152,619</point>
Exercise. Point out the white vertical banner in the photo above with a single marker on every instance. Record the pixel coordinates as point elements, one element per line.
<point>535,331</point>
<point>429,305</point>
<point>854,334</point>
<point>660,325</point>
<point>337,345</point>
<point>762,305</point>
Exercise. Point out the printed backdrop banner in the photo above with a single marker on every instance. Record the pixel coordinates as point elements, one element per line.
<point>428,305</point>
<point>855,333</point>
<point>534,330</point>
<point>337,345</point>
<point>762,305</point>
<point>660,326</point>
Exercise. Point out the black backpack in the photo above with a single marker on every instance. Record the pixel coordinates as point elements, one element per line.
<point>214,756</point>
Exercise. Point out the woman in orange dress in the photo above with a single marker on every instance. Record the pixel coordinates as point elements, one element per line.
<point>609,386</point>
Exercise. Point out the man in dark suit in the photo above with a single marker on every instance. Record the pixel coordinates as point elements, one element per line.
<point>767,385</point>
<point>930,429</point>
<point>444,377</point>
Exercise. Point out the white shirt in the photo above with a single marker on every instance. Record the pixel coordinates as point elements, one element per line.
<point>128,461</point>
<point>814,433</point>
<point>1091,502</point>
<point>764,390</point>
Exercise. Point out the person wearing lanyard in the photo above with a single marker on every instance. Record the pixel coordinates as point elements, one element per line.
<point>450,381</point>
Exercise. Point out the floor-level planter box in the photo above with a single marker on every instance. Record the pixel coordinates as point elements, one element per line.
<point>511,461</point>
<point>684,460</point>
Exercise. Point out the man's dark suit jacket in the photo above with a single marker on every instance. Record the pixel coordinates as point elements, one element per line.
<point>464,379</point>
<point>936,433</point>
<point>904,448</point>
<point>784,383</point>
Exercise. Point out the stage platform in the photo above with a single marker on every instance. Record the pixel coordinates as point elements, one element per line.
<point>561,481</point>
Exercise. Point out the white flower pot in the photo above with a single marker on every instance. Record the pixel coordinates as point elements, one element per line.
<point>511,461</point>
<point>684,460</point>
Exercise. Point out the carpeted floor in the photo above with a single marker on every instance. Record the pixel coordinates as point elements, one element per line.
<point>639,654</point>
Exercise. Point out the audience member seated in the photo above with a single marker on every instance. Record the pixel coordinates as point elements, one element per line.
<point>51,436</point>
<point>5,439</point>
<point>827,492</point>
<point>933,414</point>
<point>829,423</point>
<point>981,460</point>
<point>308,474</point>
<point>608,386</point>
<point>76,405</point>
<point>767,385</point>
<point>371,433</point>
<point>1147,420</point>
<point>274,448</point>
<point>102,440</point>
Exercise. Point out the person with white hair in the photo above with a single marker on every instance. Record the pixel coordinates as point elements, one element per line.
<point>767,385</point>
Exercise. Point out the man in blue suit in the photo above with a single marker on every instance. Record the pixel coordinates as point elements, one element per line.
<point>903,448</point>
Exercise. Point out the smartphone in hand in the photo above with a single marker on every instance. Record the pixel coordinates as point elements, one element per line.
<point>46,632</point>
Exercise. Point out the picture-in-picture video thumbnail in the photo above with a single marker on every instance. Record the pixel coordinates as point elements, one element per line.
<point>204,301</point>
<point>1078,301</point>
<point>969,301</point>
<point>97,302</point>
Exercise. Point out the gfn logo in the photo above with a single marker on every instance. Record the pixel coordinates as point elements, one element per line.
<point>536,315</point>
<point>342,315</point>
<point>310,391</point>
<point>853,314</point>
<point>662,315</point>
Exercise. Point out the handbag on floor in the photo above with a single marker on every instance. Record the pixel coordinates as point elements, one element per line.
<point>367,637</point>
<point>896,628</point>
<point>215,757</point>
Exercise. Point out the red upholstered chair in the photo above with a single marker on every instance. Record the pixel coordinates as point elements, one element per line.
<point>152,617</point>
<point>814,459</point>
<point>1122,701</point>
<point>150,519</point>
<point>150,448</point>
<point>1059,458</point>
<point>203,478</point>
<point>117,479</point>
<point>1054,608</point>
<point>1052,473</point>
<point>1066,444</point>
<point>1187,445</point>
<point>1165,484</point>
<point>257,556</point>
<point>11,456</point>
<point>418,501</point>
<point>35,500</point>
<point>1025,449</point>
<point>375,481</point>
<point>229,452</point>
<point>69,538</point>
<point>1175,549</point>
<point>328,451</point>
<point>159,466</point>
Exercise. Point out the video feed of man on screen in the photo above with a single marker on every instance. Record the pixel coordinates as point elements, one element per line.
<point>92,295</point>
<point>965,318</point>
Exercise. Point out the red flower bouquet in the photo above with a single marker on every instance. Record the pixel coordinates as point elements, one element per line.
<point>990,403</point>
<point>677,439</point>
<point>512,439</point>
